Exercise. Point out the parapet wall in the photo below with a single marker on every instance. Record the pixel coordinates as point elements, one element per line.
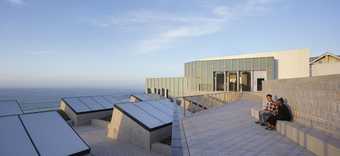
<point>314,101</point>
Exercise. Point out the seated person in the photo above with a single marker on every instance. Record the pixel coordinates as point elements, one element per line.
<point>265,113</point>
<point>282,113</point>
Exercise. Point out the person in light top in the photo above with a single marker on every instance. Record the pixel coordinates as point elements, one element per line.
<point>267,110</point>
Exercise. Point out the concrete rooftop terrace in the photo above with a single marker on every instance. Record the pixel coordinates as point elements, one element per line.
<point>104,146</point>
<point>224,131</point>
<point>230,130</point>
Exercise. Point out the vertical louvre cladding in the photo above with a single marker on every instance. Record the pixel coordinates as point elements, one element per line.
<point>174,86</point>
<point>199,75</point>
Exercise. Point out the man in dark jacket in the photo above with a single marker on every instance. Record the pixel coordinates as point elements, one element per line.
<point>283,113</point>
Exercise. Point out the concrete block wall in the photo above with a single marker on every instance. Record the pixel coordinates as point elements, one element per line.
<point>314,101</point>
<point>124,129</point>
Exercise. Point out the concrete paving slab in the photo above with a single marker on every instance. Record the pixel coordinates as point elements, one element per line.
<point>230,130</point>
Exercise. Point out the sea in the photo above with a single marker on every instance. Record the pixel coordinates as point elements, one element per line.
<point>44,99</point>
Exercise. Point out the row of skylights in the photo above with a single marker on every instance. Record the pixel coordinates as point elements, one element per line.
<point>93,103</point>
<point>45,134</point>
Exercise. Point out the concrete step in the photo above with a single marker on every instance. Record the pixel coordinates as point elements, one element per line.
<point>312,139</point>
<point>316,141</point>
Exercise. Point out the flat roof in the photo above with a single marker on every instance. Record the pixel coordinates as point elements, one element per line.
<point>151,115</point>
<point>43,133</point>
<point>254,54</point>
<point>89,104</point>
<point>9,107</point>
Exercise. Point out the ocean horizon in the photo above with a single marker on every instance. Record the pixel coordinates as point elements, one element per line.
<point>37,99</point>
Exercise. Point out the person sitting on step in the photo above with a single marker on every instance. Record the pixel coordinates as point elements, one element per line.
<point>265,113</point>
<point>282,113</point>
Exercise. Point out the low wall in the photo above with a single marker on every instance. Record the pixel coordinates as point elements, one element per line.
<point>206,100</point>
<point>325,69</point>
<point>314,101</point>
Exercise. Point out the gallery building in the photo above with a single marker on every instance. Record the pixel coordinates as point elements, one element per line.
<point>245,72</point>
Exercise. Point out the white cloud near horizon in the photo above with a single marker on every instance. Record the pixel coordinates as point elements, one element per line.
<point>171,28</point>
<point>39,53</point>
<point>16,2</point>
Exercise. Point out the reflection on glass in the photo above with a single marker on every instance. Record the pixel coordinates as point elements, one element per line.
<point>219,81</point>
<point>233,81</point>
<point>245,81</point>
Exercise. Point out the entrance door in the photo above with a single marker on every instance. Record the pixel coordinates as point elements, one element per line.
<point>260,84</point>
<point>232,81</point>
<point>259,77</point>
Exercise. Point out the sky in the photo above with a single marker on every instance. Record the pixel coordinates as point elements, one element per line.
<point>86,43</point>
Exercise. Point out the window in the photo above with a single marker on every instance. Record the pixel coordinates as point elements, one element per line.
<point>148,91</point>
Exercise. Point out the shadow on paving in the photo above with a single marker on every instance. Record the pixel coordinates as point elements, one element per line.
<point>230,130</point>
<point>103,146</point>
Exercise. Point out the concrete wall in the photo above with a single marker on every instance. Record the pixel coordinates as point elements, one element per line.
<point>290,63</point>
<point>127,130</point>
<point>315,101</point>
<point>325,69</point>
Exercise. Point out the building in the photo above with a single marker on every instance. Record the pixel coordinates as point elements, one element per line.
<point>233,73</point>
<point>325,64</point>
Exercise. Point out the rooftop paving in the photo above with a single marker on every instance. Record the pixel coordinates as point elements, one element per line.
<point>230,130</point>
<point>103,146</point>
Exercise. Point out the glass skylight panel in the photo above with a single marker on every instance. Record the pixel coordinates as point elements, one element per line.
<point>92,104</point>
<point>117,99</point>
<point>140,115</point>
<point>77,105</point>
<point>52,135</point>
<point>163,106</point>
<point>109,99</point>
<point>103,102</point>
<point>14,140</point>
<point>145,97</point>
<point>123,100</point>
<point>154,112</point>
<point>9,108</point>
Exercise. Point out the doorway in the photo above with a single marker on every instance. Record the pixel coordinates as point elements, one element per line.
<point>232,81</point>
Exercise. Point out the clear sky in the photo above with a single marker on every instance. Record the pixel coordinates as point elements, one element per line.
<point>87,43</point>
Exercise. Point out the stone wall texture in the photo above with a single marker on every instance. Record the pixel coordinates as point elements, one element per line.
<point>314,101</point>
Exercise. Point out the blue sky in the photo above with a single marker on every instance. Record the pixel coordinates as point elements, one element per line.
<point>86,43</point>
